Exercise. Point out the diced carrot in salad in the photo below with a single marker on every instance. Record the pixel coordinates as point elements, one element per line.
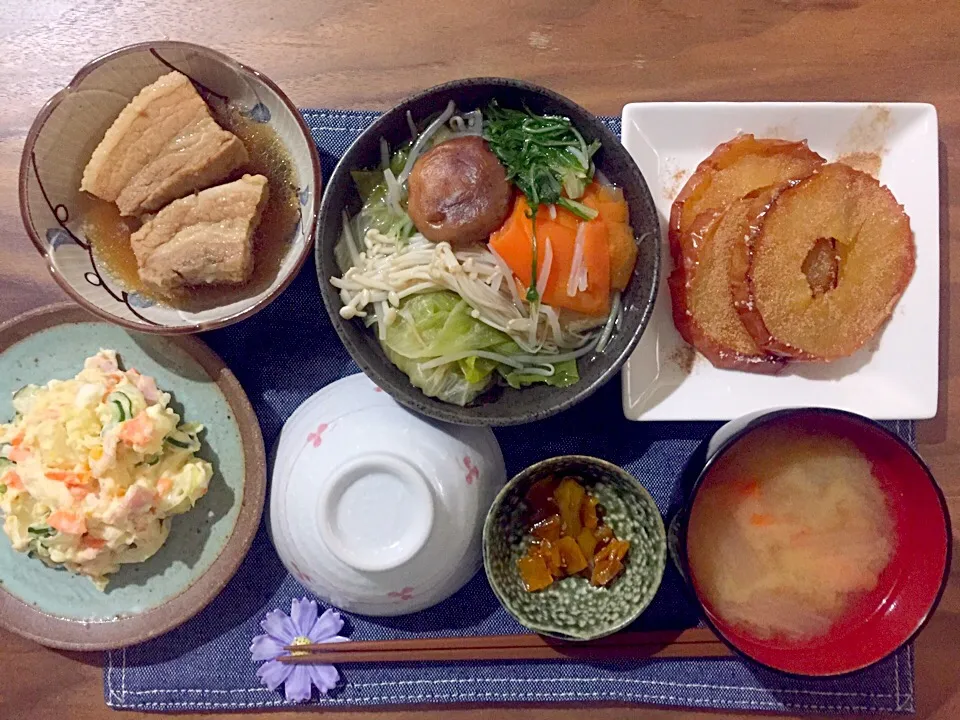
<point>89,541</point>
<point>65,476</point>
<point>164,484</point>
<point>138,431</point>
<point>67,522</point>
<point>18,454</point>
<point>11,479</point>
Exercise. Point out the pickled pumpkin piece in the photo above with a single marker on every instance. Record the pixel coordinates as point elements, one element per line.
<point>587,541</point>
<point>571,556</point>
<point>604,535</point>
<point>609,562</point>
<point>534,573</point>
<point>551,556</point>
<point>548,529</point>
<point>569,496</point>
<point>540,498</point>
<point>588,512</point>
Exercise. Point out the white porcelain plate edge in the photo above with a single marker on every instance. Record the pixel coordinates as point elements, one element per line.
<point>897,376</point>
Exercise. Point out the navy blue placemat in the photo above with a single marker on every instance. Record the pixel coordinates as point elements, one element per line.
<point>286,353</point>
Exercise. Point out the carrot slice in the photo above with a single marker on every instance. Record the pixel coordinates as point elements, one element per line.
<point>623,255</point>
<point>610,203</point>
<point>513,243</point>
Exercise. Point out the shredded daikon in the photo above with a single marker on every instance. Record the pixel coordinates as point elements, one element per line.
<point>421,142</point>
<point>384,154</point>
<point>544,277</point>
<point>412,125</point>
<point>573,282</point>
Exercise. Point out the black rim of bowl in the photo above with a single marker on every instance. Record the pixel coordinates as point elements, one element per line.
<point>430,406</point>
<point>724,447</point>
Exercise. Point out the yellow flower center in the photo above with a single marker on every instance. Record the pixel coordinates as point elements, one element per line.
<point>300,640</point>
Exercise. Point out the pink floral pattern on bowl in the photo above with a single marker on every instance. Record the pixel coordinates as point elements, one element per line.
<point>316,437</point>
<point>473,472</point>
<point>401,595</point>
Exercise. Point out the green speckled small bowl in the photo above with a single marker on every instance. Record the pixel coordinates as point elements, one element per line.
<point>572,609</point>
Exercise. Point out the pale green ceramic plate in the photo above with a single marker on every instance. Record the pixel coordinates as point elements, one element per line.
<point>205,546</point>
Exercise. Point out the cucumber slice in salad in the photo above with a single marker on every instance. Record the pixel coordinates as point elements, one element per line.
<point>24,395</point>
<point>183,439</point>
<point>121,406</point>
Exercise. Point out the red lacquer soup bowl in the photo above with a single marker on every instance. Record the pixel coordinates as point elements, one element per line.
<point>877,623</point>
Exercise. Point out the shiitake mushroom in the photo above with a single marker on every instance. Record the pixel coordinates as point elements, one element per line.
<point>458,192</point>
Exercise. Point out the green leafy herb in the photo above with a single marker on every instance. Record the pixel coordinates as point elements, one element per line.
<point>547,158</point>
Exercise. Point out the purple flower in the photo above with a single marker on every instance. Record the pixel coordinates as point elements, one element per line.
<point>301,628</point>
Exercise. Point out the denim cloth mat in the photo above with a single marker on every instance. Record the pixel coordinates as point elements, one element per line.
<point>286,353</point>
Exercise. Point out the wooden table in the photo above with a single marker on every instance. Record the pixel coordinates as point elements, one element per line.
<point>367,54</point>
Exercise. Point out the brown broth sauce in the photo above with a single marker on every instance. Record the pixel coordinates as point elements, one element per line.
<point>109,233</point>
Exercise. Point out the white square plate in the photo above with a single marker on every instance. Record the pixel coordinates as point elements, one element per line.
<point>896,376</point>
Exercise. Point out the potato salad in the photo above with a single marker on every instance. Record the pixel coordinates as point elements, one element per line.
<point>92,469</point>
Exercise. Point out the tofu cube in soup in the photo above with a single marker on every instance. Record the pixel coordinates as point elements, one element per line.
<point>202,239</point>
<point>165,144</point>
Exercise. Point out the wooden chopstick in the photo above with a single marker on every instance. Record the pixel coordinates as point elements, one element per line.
<point>694,642</point>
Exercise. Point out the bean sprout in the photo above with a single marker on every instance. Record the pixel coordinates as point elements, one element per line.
<point>421,142</point>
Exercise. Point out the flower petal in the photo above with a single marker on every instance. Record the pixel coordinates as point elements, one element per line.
<point>325,677</point>
<point>265,647</point>
<point>273,674</point>
<point>336,639</point>
<point>298,687</point>
<point>326,626</point>
<point>303,613</point>
<point>279,626</point>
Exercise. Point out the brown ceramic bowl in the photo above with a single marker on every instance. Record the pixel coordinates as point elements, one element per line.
<point>205,545</point>
<point>72,123</point>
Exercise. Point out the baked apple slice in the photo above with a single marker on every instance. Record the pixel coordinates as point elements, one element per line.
<point>700,289</point>
<point>734,169</point>
<point>827,265</point>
